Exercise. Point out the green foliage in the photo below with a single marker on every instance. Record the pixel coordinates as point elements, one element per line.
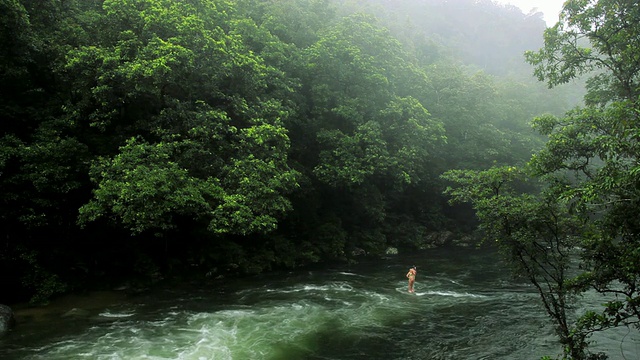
<point>536,234</point>
<point>596,144</point>
<point>166,77</point>
<point>41,281</point>
<point>144,188</point>
<point>364,138</point>
<point>485,123</point>
<point>575,47</point>
<point>297,22</point>
<point>591,150</point>
<point>15,38</point>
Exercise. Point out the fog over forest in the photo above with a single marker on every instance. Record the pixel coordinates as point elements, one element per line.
<point>320,125</point>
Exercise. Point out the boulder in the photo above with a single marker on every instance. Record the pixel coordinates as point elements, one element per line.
<point>391,251</point>
<point>7,319</point>
<point>439,238</point>
<point>465,241</point>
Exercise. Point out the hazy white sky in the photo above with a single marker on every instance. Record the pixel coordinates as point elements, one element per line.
<point>550,8</point>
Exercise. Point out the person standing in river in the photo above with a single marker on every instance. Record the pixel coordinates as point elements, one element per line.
<point>411,275</point>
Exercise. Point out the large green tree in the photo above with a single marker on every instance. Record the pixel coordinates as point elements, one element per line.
<point>537,234</point>
<point>596,147</point>
<point>363,138</point>
<point>196,117</point>
<point>590,163</point>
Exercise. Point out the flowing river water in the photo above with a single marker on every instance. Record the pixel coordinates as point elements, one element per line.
<point>466,306</point>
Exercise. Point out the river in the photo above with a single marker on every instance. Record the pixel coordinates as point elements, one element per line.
<point>466,306</point>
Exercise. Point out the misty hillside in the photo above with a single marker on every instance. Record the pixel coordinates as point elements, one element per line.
<point>490,36</point>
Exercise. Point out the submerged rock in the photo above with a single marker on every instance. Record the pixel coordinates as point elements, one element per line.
<point>7,319</point>
<point>75,312</point>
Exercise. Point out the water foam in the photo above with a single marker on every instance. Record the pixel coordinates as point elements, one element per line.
<point>450,293</point>
<point>109,314</point>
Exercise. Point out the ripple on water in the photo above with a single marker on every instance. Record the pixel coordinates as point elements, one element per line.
<point>461,312</point>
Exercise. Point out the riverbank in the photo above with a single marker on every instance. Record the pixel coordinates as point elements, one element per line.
<point>69,305</point>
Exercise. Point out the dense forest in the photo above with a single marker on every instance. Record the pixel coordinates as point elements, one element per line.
<point>144,139</point>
